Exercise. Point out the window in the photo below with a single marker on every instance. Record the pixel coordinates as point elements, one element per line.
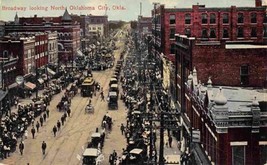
<point>172,33</point>
<point>240,18</point>
<point>212,33</point>
<point>187,19</point>
<point>240,32</point>
<point>172,49</point>
<point>244,75</point>
<point>265,31</point>
<point>212,18</point>
<point>188,32</point>
<point>264,18</point>
<point>172,19</point>
<point>238,155</point>
<point>225,18</point>
<point>253,32</point>
<point>253,18</point>
<point>225,33</point>
<point>263,154</point>
<point>5,53</point>
<point>204,33</point>
<point>204,18</point>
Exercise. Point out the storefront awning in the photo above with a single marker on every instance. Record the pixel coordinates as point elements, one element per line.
<point>51,72</point>
<point>3,94</point>
<point>79,53</point>
<point>40,80</point>
<point>30,85</point>
<point>14,85</point>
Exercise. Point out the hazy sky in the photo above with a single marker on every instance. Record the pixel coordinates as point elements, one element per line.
<point>130,12</point>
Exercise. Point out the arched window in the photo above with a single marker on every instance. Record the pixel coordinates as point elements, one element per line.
<point>225,18</point>
<point>188,32</point>
<point>204,33</point>
<point>187,19</point>
<point>225,33</point>
<point>240,18</point>
<point>253,18</point>
<point>172,19</point>
<point>253,32</point>
<point>240,32</point>
<point>212,33</point>
<point>204,18</point>
<point>5,53</point>
<point>212,18</point>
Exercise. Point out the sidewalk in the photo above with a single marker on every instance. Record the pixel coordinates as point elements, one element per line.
<point>171,154</point>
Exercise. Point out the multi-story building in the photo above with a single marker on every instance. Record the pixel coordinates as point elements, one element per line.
<point>52,48</point>
<point>68,33</point>
<point>228,124</point>
<point>95,20</point>
<point>2,28</point>
<point>213,24</point>
<point>96,30</point>
<point>241,24</point>
<point>144,26</point>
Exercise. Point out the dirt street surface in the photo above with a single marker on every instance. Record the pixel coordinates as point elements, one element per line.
<point>68,145</point>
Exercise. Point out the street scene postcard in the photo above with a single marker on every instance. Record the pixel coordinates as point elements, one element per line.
<point>133,82</point>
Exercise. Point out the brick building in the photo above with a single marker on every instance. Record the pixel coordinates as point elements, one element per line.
<point>213,24</point>
<point>230,122</point>
<point>229,64</point>
<point>68,32</point>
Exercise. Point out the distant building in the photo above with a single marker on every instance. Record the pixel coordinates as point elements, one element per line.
<point>144,26</point>
<point>96,30</point>
<point>68,32</point>
<point>100,21</point>
<point>2,28</point>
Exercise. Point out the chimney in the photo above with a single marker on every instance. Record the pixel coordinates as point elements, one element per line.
<point>258,3</point>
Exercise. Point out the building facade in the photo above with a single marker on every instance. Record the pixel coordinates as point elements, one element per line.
<point>95,20</point>
<point>230,123</point>
<point>68,33</point>
<point>144,26</point>
<point>213,24</point>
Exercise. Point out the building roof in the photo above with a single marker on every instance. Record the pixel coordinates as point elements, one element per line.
<point>66,16</point>
<point>239,99</point>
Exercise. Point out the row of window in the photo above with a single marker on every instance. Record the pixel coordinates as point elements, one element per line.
<point>212,32</point>
<point>94,28</point>
<point>212,18</point>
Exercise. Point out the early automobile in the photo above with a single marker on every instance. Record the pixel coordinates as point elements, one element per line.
<point>113,100</point>
<point>90,156</point>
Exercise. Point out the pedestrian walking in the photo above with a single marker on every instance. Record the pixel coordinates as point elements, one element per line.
<point>111,159</point>
<point>47,112</point>
<point>21,147</point>
<point>68,111</point>
<point>55,130</point>
<point>33,132</point>
<point>37,126</point>
<point>170,141</point>
<point>62,119</point>
<point>122,129</point>
<point>44,116</point>
<point>58,125</point>
<point>41,120</point>
<point>43,147</point>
